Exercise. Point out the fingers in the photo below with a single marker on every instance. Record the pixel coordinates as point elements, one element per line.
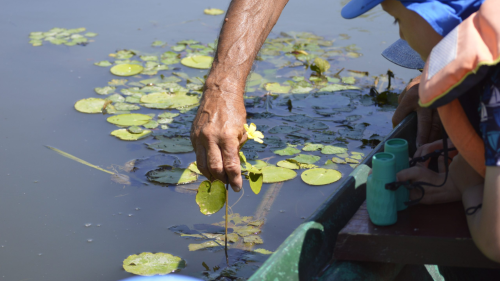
<point>214,162</point>
<point>231,162</point>
<point>407,104</point>
<point>411,174</point>
<point>201,161</point>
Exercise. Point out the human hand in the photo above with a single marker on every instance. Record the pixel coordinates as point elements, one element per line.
<point>217,134</point>
<point>429,124</point>
<point>433,195</point>
<point>431,147</point>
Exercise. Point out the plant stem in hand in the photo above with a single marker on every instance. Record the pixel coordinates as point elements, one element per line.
<point>225,240</point>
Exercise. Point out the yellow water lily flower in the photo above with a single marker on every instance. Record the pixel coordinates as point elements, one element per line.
<point>253,134</point>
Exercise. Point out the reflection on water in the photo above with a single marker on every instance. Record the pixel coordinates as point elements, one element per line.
<point>46,201</point>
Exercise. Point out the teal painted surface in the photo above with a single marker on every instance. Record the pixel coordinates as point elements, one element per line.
<point>380,202</point>
<point>399,147</point>
<point>286,262</point>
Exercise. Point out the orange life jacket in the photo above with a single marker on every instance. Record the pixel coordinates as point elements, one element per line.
<point>457,63</point>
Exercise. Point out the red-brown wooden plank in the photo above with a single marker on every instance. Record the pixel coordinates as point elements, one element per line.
<point>424,234</point>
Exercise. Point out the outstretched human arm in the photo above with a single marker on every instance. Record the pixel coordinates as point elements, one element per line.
<point>217,130</point>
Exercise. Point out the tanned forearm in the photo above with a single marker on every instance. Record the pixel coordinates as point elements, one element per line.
<point>245,28</point>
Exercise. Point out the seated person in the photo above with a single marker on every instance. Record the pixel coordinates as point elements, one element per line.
<point>462,80</point>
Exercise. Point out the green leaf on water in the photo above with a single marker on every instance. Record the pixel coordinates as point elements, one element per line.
<point>178,48</point>
<point>106,90</point>
<point>103,63</point>
<point>171,175</point>
<point>348,80</point>
<point>320,176</point>
<point>193,167</point>
<point>213,12</point>
<point>338,87</point>
<point>116,98</point>
<point>331,149</point>
<point>287,151</point>
<point>200,62</point>
<point>288,165</point>
<point>338,160</point>
<point>158,43</point>
<point>263,251</point>
<point>126,69</point>
<point>90,105</point>
<point>277,88</point>
<point>165,100</point>
<point>124,134</point>
<point>90,34</point>
<point>135,130</point>
<point>320,66</point>
<point>277,174</point>
<point>211,197</point>
<point>151,124</point>
<point>172,145</point>
<point>149,58</point>
<point>204,245</point>
<point>256,180</point>
<point>306,158</point>
<point>312,147</point>
<point>148,264</point>
<point>122,106</point>
<point>129,119</point>
<point>253,239</point>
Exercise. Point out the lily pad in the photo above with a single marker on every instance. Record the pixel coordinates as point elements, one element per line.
<point>122,106</point>
<point>349,80</point>
<point>90,105</point>
<point>320,176</point>
<point>211,197</point>
<point>253,239</point>
<point>126,69</point>
<point>165,100</point>
<point>338,160</point>
<point>148,264</point>
<point>103,63</point>
<point>106,90</point>
<point>213,12</point>
<point>168,115</point>
<point>204,245</point>
<point>116,98</point>
<point>131,119</point>
<point>287,151</point>
<point>124,134</point>
<point>172,145</point>
<point>171,175</point>
<point>193,167</point>
<point>135,129</point>
<point>200,62</point>
<point>288,165</point>
<point>277,88</point>
<point>330,149</point>
<point>337,87</point>
<point>277,174</point>
<point>306,158</point>
<point>263,251</point>
<point>312,147</point>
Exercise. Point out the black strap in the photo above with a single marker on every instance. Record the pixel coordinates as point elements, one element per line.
<point>420,184</point>
<point>472,210</point>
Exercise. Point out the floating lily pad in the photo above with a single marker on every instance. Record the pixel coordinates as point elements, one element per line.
<point>124,134</point>
<point>314,126</point>
<point>148,264</point>
<point>106,90</point>
<point>116,98</point>
<point>168,115</point>
<point>299,118</point>
<point>103,63</point>
<point>277,174</point>
<point>349,80</point>
<point>282,129</point>
<point>246,230</point>
<point>330,149</point>
<point>306,158</point>
<point>172,175</point>
<point>320,176</point>
<point>211,197</point>
<point>213,12</point>
<point>337,87</point>
<point>338,160</point>
<point>193,167</point>
<point>121,106</point>
<point>131,119</point>
<point>263,251</point>
<point>277,88</point>
<point>200,62</point>
<point>90,105</point>
<point>253,239</point>
<point>312,147</point>
<point>288,165</point>
<point>287,151</point>
<point>135,129</point>
<point>126,69</point>
<point>165,100</point>
<point>204,245</point>
<point>172,145</point>
<point>178,48</point>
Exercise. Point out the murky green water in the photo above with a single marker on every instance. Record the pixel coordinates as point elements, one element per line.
<point>51,207</point>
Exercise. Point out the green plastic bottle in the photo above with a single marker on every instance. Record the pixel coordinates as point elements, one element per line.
<point>399,147</point>
<point>380,202</point>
